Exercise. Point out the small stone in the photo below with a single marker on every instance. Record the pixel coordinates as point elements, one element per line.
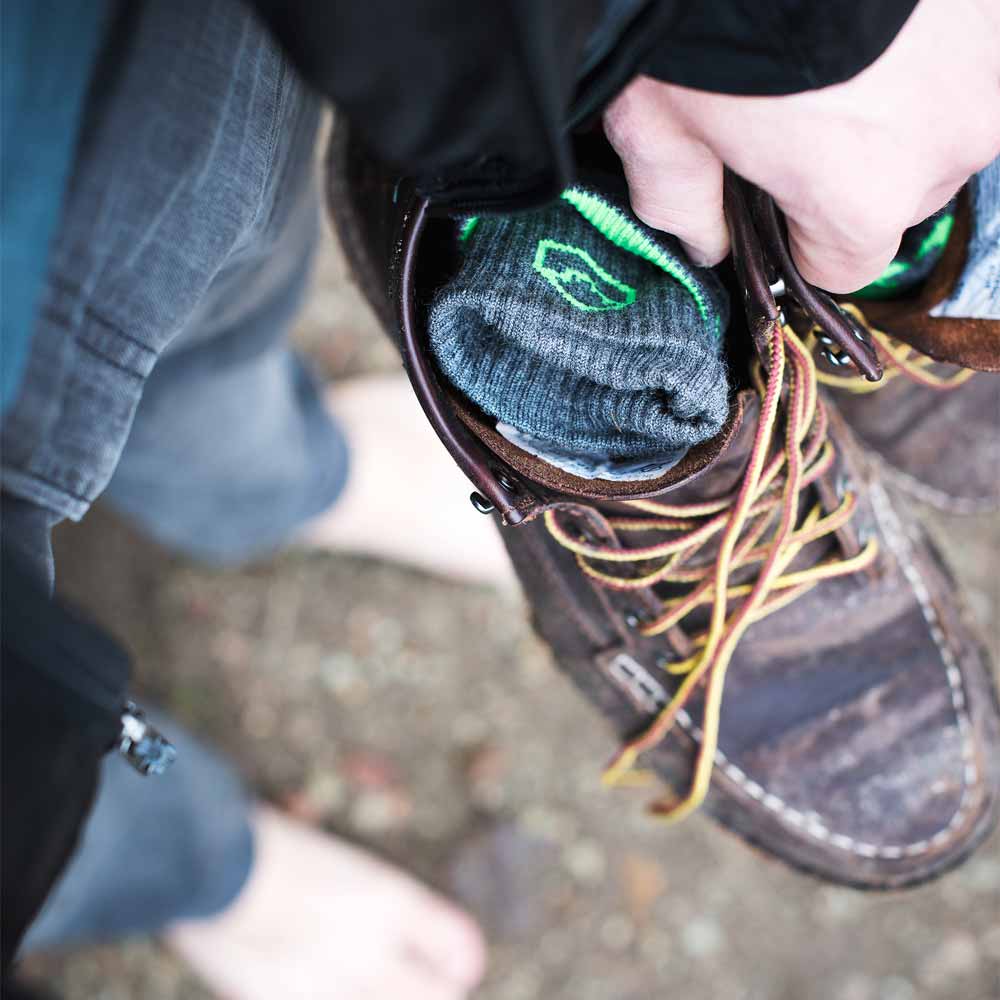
<point>983,875</point>
<point>617,932</point>
<point>837,906</point>
<point>468,728</point>
<point>505,877</point>
<point>956,957</point>
<point>484,764</point>
<point>896,988</point>
<point>340,672</point>
<point>990,942</point>
<point>857,987</point>
<point>702,937</point>
<point>369,770</point>
<point>259,720</point>
<point>546,823</point>
<point>643,882</point>
<point>231,648</point>
<point>379,812</point>
<point>656,946</point>
<point>557,946</point>
<point>326,790</point>
<point>522,984</point>
<point>585,861</point>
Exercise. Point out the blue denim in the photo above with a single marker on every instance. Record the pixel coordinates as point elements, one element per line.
<point>977,294</point>
<point>154,850</point>
<point>159,373</point>
<point>185,244</point>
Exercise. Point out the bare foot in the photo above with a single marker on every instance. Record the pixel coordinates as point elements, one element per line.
<point>320,918</point>
<point>405,498</point>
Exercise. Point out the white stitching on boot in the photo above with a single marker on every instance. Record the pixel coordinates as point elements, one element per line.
<point>812,825</point>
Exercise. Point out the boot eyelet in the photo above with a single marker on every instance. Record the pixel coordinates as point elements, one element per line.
<point>481,503</point>
<point>662,662</point>
<point>839,360</point>
<point>841,485</point>
<point>506,481</point>
<point>633,619</point>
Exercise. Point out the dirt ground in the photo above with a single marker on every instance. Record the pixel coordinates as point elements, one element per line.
<point>486,780</point>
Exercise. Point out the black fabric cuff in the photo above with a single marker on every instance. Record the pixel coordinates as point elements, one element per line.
<point>772,47</point>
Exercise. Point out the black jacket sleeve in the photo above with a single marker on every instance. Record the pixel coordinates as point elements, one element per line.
<point>770,47</point>
<point>476,99</point>
<point>63,687</point>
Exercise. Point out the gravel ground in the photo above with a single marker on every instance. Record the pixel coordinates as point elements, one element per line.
<point>486,781</point>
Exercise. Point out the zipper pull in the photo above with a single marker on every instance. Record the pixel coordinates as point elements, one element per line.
<point>142,744</point>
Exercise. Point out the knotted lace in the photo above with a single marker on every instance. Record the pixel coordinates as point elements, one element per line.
<point>732,555</point>
<point>898,360</point>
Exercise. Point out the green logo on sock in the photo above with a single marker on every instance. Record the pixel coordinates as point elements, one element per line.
<point>579,279</point>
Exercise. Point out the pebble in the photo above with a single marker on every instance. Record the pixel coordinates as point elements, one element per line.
<point>955,958</point>
<point>325,790</point>
<point>702,937</point>
<point>557,946</point>
<point>522,984</point>
<point>549,824</point>
<point>617,932</point>
<point>469,728</point>
<point>585,861</point>
<point>990,942</point>
<point>837,906</point>
<point>896,988</point>
<point>643,882</point>
<point>857,987</point>
<point>376,812</point>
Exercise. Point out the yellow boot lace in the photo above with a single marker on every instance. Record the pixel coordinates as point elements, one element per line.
<point>898,360</point>
<point>758,532</point>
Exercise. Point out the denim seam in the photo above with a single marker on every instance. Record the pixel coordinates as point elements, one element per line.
<point>100,355</point>
<point>281,93</point>
<point>38,490</point>
<point>91,312</point>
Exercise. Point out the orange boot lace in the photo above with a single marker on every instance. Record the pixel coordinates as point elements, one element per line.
<point>758,531</point>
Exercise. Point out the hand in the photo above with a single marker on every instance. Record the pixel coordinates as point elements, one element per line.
<point>851,166</point>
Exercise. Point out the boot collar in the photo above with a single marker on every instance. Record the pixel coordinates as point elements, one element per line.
<point>520,486</point>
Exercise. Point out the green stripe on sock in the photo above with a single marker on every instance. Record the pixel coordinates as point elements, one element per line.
<point>937,238</point>
<point>888,283</point>
<point>467,226</point>
<point>620,230</point>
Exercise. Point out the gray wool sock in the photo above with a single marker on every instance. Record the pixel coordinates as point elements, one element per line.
<point>587,335</point>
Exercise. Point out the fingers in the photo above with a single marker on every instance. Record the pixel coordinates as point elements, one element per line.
<point>674,179</point>
<point>840,266</point>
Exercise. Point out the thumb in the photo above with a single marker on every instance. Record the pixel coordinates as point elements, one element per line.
<point>674,179</point>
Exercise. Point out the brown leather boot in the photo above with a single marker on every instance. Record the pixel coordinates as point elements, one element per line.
<point>934,423</point>
<point>859,731</point>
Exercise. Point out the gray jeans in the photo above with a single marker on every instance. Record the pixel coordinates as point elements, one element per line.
<point>185,244</point>
<point>160,375</point>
